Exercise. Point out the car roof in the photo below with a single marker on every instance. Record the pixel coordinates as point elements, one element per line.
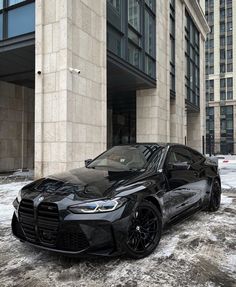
<point>161,144</point>
<point>158,144</point>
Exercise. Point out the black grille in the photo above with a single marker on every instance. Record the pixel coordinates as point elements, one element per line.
<point>73,240</point>
<point>42,227</point>
<point>48,222</point>
<point>27,221</point>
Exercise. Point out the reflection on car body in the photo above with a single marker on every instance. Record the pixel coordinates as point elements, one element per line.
<point>119,202</point>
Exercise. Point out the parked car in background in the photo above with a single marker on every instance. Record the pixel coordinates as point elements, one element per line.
<point>119,203</point>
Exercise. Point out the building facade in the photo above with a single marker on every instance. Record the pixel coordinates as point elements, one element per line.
<point>220,77</point>
<point>91,74</point>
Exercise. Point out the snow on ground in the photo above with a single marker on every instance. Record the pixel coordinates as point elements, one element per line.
<point>228,176</point>
<point>199,252</point>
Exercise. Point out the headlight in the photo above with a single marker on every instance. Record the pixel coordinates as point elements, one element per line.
<point>98,206</point>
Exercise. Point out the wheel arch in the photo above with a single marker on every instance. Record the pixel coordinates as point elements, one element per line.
<point>154,201</point>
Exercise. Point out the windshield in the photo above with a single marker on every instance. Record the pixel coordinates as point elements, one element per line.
<point>125,157</point>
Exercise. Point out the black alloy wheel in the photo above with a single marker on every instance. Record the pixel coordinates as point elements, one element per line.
<point>144,231</point>
<point>215,198</point>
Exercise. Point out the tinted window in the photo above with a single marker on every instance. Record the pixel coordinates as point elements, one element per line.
<point>125,157</point>
<point>196,156</point>
<point>178,155</point>
<point>21,20</point>
<point>13,2</point>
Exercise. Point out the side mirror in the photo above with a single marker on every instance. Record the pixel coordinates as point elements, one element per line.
<point>87,162</point>
<point>179,166</point>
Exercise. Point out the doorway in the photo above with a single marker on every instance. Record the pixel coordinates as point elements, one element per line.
<point>121,118</point>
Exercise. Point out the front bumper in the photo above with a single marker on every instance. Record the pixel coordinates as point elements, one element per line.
<point>75,234</point>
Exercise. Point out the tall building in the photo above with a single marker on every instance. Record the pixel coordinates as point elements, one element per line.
<point>79,76</point>
<point>221,77</point>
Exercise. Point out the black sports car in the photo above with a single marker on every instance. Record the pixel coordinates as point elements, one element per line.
<point>119,203</point>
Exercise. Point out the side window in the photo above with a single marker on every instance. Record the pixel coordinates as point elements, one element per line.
<point>182,155</point>
<point>178,155</point>
<point>196,156</point>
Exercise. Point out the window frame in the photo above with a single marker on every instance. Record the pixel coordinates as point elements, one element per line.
<point>6,9</point>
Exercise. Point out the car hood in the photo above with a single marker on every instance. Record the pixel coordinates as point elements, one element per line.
<point>82,184</point>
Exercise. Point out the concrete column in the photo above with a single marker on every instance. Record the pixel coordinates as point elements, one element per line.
<point>70,108</point>
<point>177,106</point>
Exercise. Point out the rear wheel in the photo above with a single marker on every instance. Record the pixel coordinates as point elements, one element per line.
<point>215,198</point>
<point>144,231</point>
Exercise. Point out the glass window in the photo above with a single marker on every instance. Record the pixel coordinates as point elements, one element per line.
<point>211,17</point>
<point>125,157</point>
<point>21,20</point>
<point>192,61</point>
<point>222,27</point>
<point>149,66</point>
<point>222,14</point>
<point>134,37</point>
<point>229,40</point>
<point>222,40</point>
<point>229,26</point>
<point>229,124</point>
<point>149,34</point>
<point>229,12</point>
<point>211,58</point>
<point>115,4</point>
<point>134,14</point>
<point>151,4</point>
<point>114,42</point>
<point>230,67</point>
<point>1,4</point>
<point>229,95</point>
<point>13,2</point>
<point>222,68</point>
<point>229,54</point>
<point>222,54</point>
<point>178,155</point>
<point>211,96</point>
<point>222,83</point>
<point>134,55</point>
<point>222,96</point>
<point>229,82</point>
<point>212,84</point>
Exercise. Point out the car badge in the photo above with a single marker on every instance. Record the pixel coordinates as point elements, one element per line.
<point>41,198</point>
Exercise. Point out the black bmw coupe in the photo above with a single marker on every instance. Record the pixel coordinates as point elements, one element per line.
<point>119,203</point>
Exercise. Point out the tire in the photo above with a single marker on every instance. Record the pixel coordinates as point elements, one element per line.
<point>215,198</point>
<point>144,231</point>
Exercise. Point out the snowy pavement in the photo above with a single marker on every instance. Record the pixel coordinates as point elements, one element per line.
<point>199,252</point>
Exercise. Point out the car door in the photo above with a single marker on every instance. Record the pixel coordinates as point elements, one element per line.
<point>181,177</point>
<point>200,186</point>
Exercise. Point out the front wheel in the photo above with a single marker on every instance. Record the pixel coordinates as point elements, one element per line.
<point>215,198</point>
<point>144,231</point>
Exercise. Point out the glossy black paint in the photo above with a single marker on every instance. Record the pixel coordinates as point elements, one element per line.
<point>174,190</point>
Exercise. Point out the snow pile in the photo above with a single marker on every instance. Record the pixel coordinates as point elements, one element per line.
<point>8,193</point>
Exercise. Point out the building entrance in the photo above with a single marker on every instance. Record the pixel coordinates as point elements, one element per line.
<point>121,118</point>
